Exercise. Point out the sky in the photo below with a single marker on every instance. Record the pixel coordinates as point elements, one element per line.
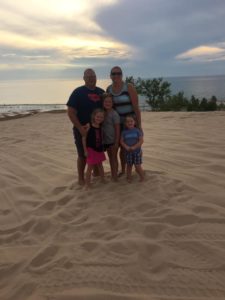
<point>147,38</point>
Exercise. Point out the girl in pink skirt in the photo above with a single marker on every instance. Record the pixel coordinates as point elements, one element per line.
<point>93,146</point>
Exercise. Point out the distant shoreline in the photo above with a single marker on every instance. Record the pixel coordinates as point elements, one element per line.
<point>14,116</point>
<point>58,90</point>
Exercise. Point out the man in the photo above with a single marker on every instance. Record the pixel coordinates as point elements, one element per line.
<point>82,102</point>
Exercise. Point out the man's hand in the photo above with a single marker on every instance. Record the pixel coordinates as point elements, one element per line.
<point>84,129</point>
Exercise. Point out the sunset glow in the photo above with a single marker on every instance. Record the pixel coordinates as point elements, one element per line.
<point>145,39</point>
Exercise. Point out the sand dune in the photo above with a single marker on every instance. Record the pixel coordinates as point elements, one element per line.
<point>160,239</point>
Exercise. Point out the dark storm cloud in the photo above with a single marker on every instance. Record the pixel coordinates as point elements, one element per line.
<point>146,37</point>
<point>163,29</point>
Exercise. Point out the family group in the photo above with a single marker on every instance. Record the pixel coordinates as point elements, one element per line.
<point>106,122</point>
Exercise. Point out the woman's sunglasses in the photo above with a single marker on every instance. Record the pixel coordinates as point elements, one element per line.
<point>116,73</point>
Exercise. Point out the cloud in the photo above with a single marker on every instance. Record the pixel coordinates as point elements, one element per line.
<point>203,54</point>
<point>161,30</point>
<point>145,37</point>
<point>64,29</point>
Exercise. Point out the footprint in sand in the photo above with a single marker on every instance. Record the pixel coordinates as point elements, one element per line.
<point>44,258</point>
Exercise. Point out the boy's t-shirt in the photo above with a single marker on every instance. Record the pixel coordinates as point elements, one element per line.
<point>131,136</point>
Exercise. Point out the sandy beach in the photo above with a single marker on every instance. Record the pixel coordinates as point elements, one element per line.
<point>162,239</point>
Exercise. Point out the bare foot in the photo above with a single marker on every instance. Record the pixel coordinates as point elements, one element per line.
<point>103,180</point>
<point>88,186</point>
<point>114,178</point>
<point>129,180</point>
<point>142,178</point>
<point>121,174</point>
<point>81,182</point>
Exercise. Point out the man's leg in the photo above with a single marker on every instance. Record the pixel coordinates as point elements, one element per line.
<point>81,160</point>
<point>81,163</point>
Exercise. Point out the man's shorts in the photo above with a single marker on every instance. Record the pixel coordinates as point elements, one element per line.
<point>134,157</point>
<point>78,142</point>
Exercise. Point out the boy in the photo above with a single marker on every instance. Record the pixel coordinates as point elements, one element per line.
<point>131,140</point>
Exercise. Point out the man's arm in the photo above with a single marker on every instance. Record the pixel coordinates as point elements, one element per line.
<point>72,113</point>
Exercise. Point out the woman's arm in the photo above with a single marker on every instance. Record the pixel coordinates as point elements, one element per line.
<point>134,100</point>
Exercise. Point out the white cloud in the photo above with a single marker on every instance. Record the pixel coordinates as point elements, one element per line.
<point>64,28</point>
<point>144,37</point>
<point>204,53</point>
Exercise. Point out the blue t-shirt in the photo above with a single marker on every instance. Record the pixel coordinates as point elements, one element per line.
<point>131,136</point>
<point>85,101</point>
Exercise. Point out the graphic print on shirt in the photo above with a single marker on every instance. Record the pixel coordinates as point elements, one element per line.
<point>94,97</point>
<point>98,138</point>
<point>132,136</point>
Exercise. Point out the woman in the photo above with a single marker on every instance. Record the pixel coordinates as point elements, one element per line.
<point>125,100</point>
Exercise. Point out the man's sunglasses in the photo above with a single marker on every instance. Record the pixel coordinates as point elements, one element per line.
<point>116,73</point>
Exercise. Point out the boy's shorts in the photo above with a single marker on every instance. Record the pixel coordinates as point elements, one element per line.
<point>134,157</point>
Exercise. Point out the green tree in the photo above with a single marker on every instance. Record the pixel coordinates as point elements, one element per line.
<point>212,104</point>
<point>176,102</point>
<point>221,106</point>
<point>158,94</point>
<point>194,104</point>
<point>130,79</point>
<point>156,90</point>
<point>203,106</point>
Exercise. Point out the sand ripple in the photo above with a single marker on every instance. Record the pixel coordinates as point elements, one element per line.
<point>160,239</point>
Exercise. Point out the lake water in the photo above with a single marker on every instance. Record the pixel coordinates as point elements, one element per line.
<point>199,86</point>
<point>37,93</point>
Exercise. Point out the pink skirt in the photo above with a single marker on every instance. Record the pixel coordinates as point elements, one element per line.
<point>94,157</point>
